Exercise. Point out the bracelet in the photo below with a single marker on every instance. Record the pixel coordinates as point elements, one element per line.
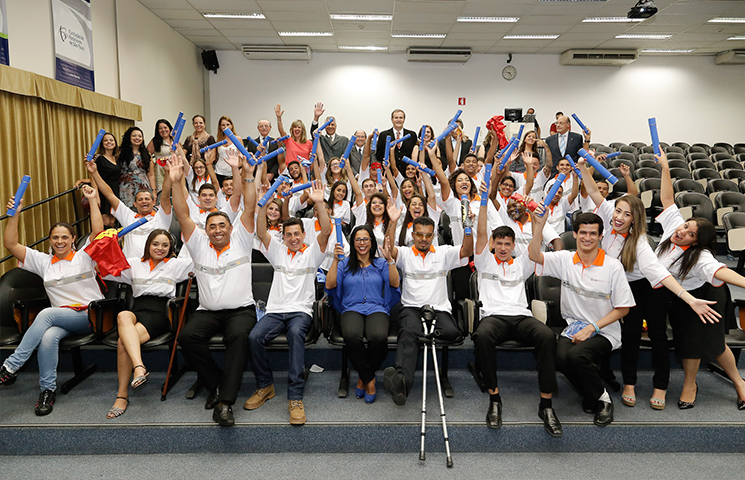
<point>249,180</point>
<point>681,293</point>
<point>597,329</point>
<point>392,262</point>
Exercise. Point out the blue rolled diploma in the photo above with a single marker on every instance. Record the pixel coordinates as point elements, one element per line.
<point>374,145</point>
<point>239,145</point>
<point>400,140</point>
<point>655,136</point>
<point>316,139</point>
<point>579,122</point>
<point>574,166</point>
<point>599,168</point>
<point>345,155</point>
<point>422,133</point>
<point>280,139</point>
<point>380,177</point>
<point>419,166</point>
<point>131,226</point>
<point>507,152</point>
<point>612,155</point>
<point>444,134</point>
<point>256,144</point>
<point>214,145</point>
<point>457,116</point>
<point>465,207</point>
<point>265,142</point>
<point>520,132</point>
<point>96,143</point>
<point>272,189</point>
<point>475,139</point>
<point>178,120</point>
<point>177,134</point>
<point>326,124</point>
<point>19,195</point>
<point>487,180</point>
<point>339,234</point>
<point>554,190</point>
<point>387,152</point>
<point>271,155</point>
<point>299,188</point>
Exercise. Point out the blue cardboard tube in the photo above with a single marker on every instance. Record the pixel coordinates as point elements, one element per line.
<point>131,226</point>
<point>271,155</point>
<point>380,177</point>
<point>339,234</point>
<point>574,166</point>
<point>347,151</point>
<point>422,168</point>
<point>487,180</point>
<point>214,145</point>
<point>520,132</point>
<point>256,144</point>
<point>239,145</point>
<point>96,143</point>
<point>265,142</point>
<point>612,155</point>
<point>177,129</point>
<point>444,134</point>
<point>400,140</point>
<point>554,190</point>
<point>387,152</point>
<point>598,167</point>
<point>316,139</point>
<point>272,189</point>
<point>299,188</point>
<point>507,152</point>
<point>178,120</point>
<point>326,124</point>
<point>280,139</point>
<point>374,145</point>
<point>465,207</point>
<point>457,116</point>
<point>19,195</point>
<point>579,122</point>
<point>422,133</point>
<point>655,136</point>
<point>475,139</point>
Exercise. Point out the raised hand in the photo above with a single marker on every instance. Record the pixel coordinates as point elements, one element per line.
<point>625,169</point>
<point>316,196</point>
<point>278,111</point>
<point>661,158</point>
<point>538,217</point>
<point>393,213</point>
<point>385,250</point>
<point>176,169</point>
<point>89,192</point>
<point>91,167</point>
<point>338,252</point>
<point>318,110</point>
<point>11,203</point>
<point>234,158</point>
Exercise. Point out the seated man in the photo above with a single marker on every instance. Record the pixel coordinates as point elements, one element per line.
<point>424,282</point>
<point>515,216</point>
<point>594,295</point>
<point>222,264</point>
<point>289,307</point>
<point>505,316</point>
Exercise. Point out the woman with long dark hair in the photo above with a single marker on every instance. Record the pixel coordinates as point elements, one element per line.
<point>363,287</point>
<point>108,167</point>
<point>377,215</point>
<point>134,160</point>
<point>160,150</point>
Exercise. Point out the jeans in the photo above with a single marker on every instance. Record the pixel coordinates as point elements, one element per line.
<point>49,327</point>
<point>296,324</point>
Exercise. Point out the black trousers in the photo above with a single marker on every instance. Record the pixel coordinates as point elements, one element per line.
<point>495,330</point>
<point>355,327</point>
<point>579,363</point>
<point>235,324</point>
<point>409,331</point>
<point>651,305</point>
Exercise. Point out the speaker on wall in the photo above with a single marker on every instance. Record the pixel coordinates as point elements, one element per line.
<point>209,59</point>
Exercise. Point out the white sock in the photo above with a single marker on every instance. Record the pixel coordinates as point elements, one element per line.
<point>605,397</point>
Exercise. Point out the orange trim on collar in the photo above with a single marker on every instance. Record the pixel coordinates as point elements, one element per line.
<point>340,203</point>
<point>598,260</point>
<point>318,225</point>
<point>153,265</point>
<point>500,262</point>
<point>151,214</point>
<point>614,232</point>
<point>423,254</point>
<point>302,249</point>
<point>201,210</point>
<point>222,250</point>
<point>273,227</point>
<point>69,257</point>
<point>410,224</point>
<point>683,247</point>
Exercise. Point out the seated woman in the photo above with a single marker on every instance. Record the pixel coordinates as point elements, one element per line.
<point>363,289</point>
<point>70,283</point>
<point>153,278</point>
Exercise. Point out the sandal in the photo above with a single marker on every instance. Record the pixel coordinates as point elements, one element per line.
<point>628,400</point>
<point>657,403</point>
<point>139,380</point>
<point>116,411</point>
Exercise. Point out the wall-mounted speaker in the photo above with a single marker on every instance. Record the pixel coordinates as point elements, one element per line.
<point>209,59</point>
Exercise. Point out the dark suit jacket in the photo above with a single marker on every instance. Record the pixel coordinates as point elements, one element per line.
<point>465,147</point>
<point>355,160</point>
<point>574,143</point>
<point>273,164</point>
<point>331,150</point>
<point>406,147</point>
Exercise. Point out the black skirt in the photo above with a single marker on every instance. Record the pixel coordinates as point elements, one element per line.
<point>692,337</point>
<point>151,312</point>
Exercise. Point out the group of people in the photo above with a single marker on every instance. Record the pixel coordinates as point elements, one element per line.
<point>409,217</point>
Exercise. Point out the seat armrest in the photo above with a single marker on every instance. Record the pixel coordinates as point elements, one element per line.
<point>22,311</point>
<point>540,309</point>
<point>102,315</point>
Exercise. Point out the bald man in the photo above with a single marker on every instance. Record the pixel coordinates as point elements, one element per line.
<point>564,142</point>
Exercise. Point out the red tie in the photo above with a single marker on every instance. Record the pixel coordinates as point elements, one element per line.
<point>398,136</point>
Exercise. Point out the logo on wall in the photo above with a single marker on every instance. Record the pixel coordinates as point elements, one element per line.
<point>63,33</point>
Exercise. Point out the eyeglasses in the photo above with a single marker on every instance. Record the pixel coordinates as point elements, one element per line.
<point>422,235</point>
<point>362,240</point>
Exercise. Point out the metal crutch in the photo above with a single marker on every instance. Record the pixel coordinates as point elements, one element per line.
<point>428,314</point>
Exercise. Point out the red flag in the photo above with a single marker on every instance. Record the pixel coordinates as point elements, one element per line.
<point>495,123</point>
<point>105,250</point>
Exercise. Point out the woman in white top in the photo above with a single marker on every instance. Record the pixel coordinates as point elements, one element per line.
<point>625,238</point>
<point>686,251</point>
<point>377,215</point>
<point>70,283</point>
<point>334,173</point>
<point>532,146</point>
<point>153,278</point>
<point>160,149</point>
<point>338,203</point>
<point>222,169</point>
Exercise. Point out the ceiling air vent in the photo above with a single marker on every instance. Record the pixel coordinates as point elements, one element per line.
<point>431,54</point>
<point>276,52</point>
<point>730,57</point>
<point>615,58</point>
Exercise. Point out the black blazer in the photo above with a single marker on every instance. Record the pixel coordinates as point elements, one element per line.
<point>465,147</point>
<point>407,147</point>
<point>355,159</point>
<point>273,164</point>
<point>574,143</point>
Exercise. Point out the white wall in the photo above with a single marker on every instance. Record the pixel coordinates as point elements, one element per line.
<point>692,99</point>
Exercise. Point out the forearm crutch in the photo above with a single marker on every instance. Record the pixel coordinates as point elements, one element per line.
<point>181,316</point>
<point>428,315</point>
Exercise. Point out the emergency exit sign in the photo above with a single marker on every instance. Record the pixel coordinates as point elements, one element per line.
<point>461,100</point>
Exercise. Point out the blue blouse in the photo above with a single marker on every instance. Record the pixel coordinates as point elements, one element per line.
<point>365,292</point>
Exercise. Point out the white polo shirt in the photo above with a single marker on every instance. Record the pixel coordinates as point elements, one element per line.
<point>647,264</point>
<point>434,214</point>
<point>293,286</point>
<point>224,277</point>
<point>194,191</point>
<point>343,210</point>
<point>502,284</point>
<point>557,215</point>
<point>134,241</point>
<point>425,275</point>
<point>705,267</point>
<point>157,280</point>
<point>524,233</point>
<point>588,293</point>
<point>312,229</point>
<point>451,207</point>
<point>68,282</point>
<point>199,215</point>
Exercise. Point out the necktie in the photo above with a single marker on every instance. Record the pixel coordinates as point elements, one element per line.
<point>359,150</point>
<point>562,144</point>
<point>398,136</point>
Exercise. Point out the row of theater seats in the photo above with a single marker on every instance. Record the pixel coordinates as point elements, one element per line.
<point>678,147</point>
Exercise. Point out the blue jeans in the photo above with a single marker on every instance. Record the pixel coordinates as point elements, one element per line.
<point>49,327</point>
<point>296,324</point>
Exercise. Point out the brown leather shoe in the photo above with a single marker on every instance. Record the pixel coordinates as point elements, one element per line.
<point>297,412</point>
<point>260,396</point>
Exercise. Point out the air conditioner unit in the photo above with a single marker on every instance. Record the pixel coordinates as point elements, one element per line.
<point>277,52</point>
<point>730,57</point>
<point>613,58</point>
<point>434,54</point>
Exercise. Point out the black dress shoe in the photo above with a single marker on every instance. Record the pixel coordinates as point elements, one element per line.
<point>494,415</point>
<point>395,385</point>
<point>687,405</point>
<point>45,403</point>
<point>212,399</point>
<point>550,421</point>
<point>589,406</point>
<point>604,415</point>
<point>223,414</point>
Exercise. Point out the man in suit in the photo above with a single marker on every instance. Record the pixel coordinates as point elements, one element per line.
<point>459,141</point>
<point>564,142</point>
<point>333,145</point>
<point>355,156</point>
<point>402,149</point>
<point>264,127</point>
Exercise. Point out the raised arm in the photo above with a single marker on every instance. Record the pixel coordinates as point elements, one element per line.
<point>209,161</point>
<point>429,189</point>
<point>441,177</point>
<point>180,208</point>
<point>630,185</point>
<point>529,175</point>
<point>489,158</point>
<point>449,155</point>
<point>261,232</point>
<point>590,185</point>
<point>235,160</point>
<point>393,215</point>
<point>482,234</point>
<point>385,251</point>
<point>534,248</point>
<point>102,186</point>
<point>575,188</point>
<point>278,112</point>
<point>165,194</point>
<point>323,217</point>
<point>10,238</point>
<point>332,274</point>
<point>249,196</point>
<point>391,179</point>
<point>667,197</point>
<point>96,218</point>
<point>366,153</point>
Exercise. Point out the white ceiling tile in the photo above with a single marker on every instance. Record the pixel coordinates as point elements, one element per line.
<point>718,28</point>
<point>550,19</point>
<point>173,14</point>
<point>427,7</point>
<point>360,6</point>
<point>566,8</point>
<point>609,28</point>
<point>176,23</point>
<point>151,4</point>
<point>482,27</point>
<point>420,27</point>
<point>245,6</point>
<point>674,20</point>
<point>473,44</point>
<point>698,8</point>
<point>360,38</point>
<point>519,29</point>
<point>247,35</point>
<point>224,24</point>
<point>293,5</point>
<point>300,16</point>
<point>215,46</point>
<point>202,32</point>
<point>362,27</point>
<point>425,17</point>
<point>206,38</point>
<point>505,49</point>
<point>302,26</point>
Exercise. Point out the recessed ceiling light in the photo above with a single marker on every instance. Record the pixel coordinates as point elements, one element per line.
<point>362,18</point>
<point>611,20</point>
<point>740,37</point>
<point>530,37</point>
<point>644,36</point>
<point>489,19</point>
<point>358,47</point>
<point>306,34</point>
<point>727,20</point>
<point>255,16</point>
<point>662,50</point>
<point>419,35</point>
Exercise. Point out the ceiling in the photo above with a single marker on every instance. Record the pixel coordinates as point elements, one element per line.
<point>685,20</point>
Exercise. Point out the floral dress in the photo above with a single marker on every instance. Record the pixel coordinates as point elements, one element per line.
<point>133,179</point>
